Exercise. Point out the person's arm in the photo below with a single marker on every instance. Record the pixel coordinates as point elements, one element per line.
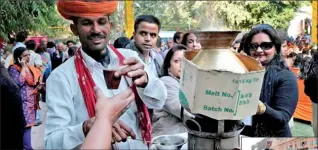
<point>60,131</point>
<point>108,110</point>
<point>154,93</point>
<point>99,136</point>
<point>172,103</point>
<point>311,83</point>
<point>284,100</point>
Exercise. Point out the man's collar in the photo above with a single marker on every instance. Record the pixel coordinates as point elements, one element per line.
<point>134,48</point>
<point>91,62</point>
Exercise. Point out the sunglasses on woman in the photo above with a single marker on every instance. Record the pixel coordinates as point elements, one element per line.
<point>264,46</point>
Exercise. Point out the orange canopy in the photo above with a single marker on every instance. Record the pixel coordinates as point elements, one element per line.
<point>82,8</point>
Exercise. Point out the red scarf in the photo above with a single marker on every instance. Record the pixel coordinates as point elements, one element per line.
<point>87,85</point>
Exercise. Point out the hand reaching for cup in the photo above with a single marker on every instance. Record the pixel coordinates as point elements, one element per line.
<point>112,108</point>
<point>104,127</point>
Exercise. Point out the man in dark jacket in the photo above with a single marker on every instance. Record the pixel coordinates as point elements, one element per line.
<point>311,83</point>
<point>12,119</point>
<point>57,58</point>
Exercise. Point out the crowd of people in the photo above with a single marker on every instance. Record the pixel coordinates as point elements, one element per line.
<point>85,112</point>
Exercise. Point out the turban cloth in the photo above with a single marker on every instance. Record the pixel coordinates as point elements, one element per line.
<point>85,8</point>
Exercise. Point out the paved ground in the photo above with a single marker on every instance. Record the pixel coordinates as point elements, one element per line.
<point>37,133</point>
<point>302,129</point>
<point>299,129</point>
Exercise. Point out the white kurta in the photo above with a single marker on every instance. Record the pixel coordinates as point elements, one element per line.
<point>67,110</point>
<point>35,59</point>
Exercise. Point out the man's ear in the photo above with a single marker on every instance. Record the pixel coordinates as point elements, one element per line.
<point>134,34</point>
<point>111,25</point>
<point>74,29</point>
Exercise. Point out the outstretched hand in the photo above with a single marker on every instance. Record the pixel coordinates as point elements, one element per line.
<point>112,108</point>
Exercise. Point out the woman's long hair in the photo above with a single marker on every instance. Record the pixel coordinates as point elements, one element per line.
<point>185,38</point>
<point>270,31</point>
<point>17,54</point>
<point>166,63</point>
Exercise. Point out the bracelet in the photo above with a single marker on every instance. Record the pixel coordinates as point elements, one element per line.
<point>261,108</point>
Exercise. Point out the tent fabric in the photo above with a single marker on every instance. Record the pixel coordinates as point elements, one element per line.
<point>303,110</point>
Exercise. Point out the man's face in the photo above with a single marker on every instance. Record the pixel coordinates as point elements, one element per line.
<point>170,43</point>
<point>70,44</point>
<point>284,48</point>
<point>43,41</point>
<point>163,44</point>
<point>146,35</point>
<point>60,47</point>
<point>93,32</point>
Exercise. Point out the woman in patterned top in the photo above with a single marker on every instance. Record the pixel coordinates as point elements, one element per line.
<point>26,77</point>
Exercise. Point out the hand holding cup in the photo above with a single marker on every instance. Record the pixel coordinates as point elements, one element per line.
<point>134,69</point>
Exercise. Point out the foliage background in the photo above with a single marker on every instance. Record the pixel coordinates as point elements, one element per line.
<point>39,16</point>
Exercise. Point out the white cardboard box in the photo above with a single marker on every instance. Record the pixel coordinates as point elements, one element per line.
<point>218,94</point>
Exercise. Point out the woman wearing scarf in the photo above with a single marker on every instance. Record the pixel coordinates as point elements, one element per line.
<point>279,93</point>
<point>26,77</point>
<point>168,120</point>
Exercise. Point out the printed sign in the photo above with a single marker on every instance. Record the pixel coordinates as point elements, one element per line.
<point>218,94</point>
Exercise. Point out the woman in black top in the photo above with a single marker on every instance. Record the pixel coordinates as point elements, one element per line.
<point>12,118</point>
<point>279,95</point>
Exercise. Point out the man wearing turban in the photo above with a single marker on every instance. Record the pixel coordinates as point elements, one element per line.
<point>70,88</point>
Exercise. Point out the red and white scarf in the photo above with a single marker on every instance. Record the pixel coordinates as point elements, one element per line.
<point>87,85</point>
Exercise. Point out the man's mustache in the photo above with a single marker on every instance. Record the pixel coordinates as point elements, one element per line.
<point>92,36</point>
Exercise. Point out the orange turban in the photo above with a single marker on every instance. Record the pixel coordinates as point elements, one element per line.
<point>88,8</point>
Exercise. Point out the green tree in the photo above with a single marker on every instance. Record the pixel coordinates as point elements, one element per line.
<point>172,14</point>
<point>32,15</point>
<point>220,15</point>
<point>240,15</point>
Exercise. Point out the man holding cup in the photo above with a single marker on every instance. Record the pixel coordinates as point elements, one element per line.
<point>70,87</point>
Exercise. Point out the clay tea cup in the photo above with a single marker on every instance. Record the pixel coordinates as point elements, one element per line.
<point>112,82</point>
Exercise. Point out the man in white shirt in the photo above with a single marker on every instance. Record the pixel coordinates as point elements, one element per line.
<point>146,33</point>
<point>20,39</point>
<point>69,115</point>
<point>35,59</point>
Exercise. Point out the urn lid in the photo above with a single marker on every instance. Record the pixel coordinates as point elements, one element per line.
<point>216,53</point>
<point>216,39</point>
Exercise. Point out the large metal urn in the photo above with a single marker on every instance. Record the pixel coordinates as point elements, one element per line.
<point>205,132</point>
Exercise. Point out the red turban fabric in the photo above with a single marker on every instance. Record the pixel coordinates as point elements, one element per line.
<point>88,8</point>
